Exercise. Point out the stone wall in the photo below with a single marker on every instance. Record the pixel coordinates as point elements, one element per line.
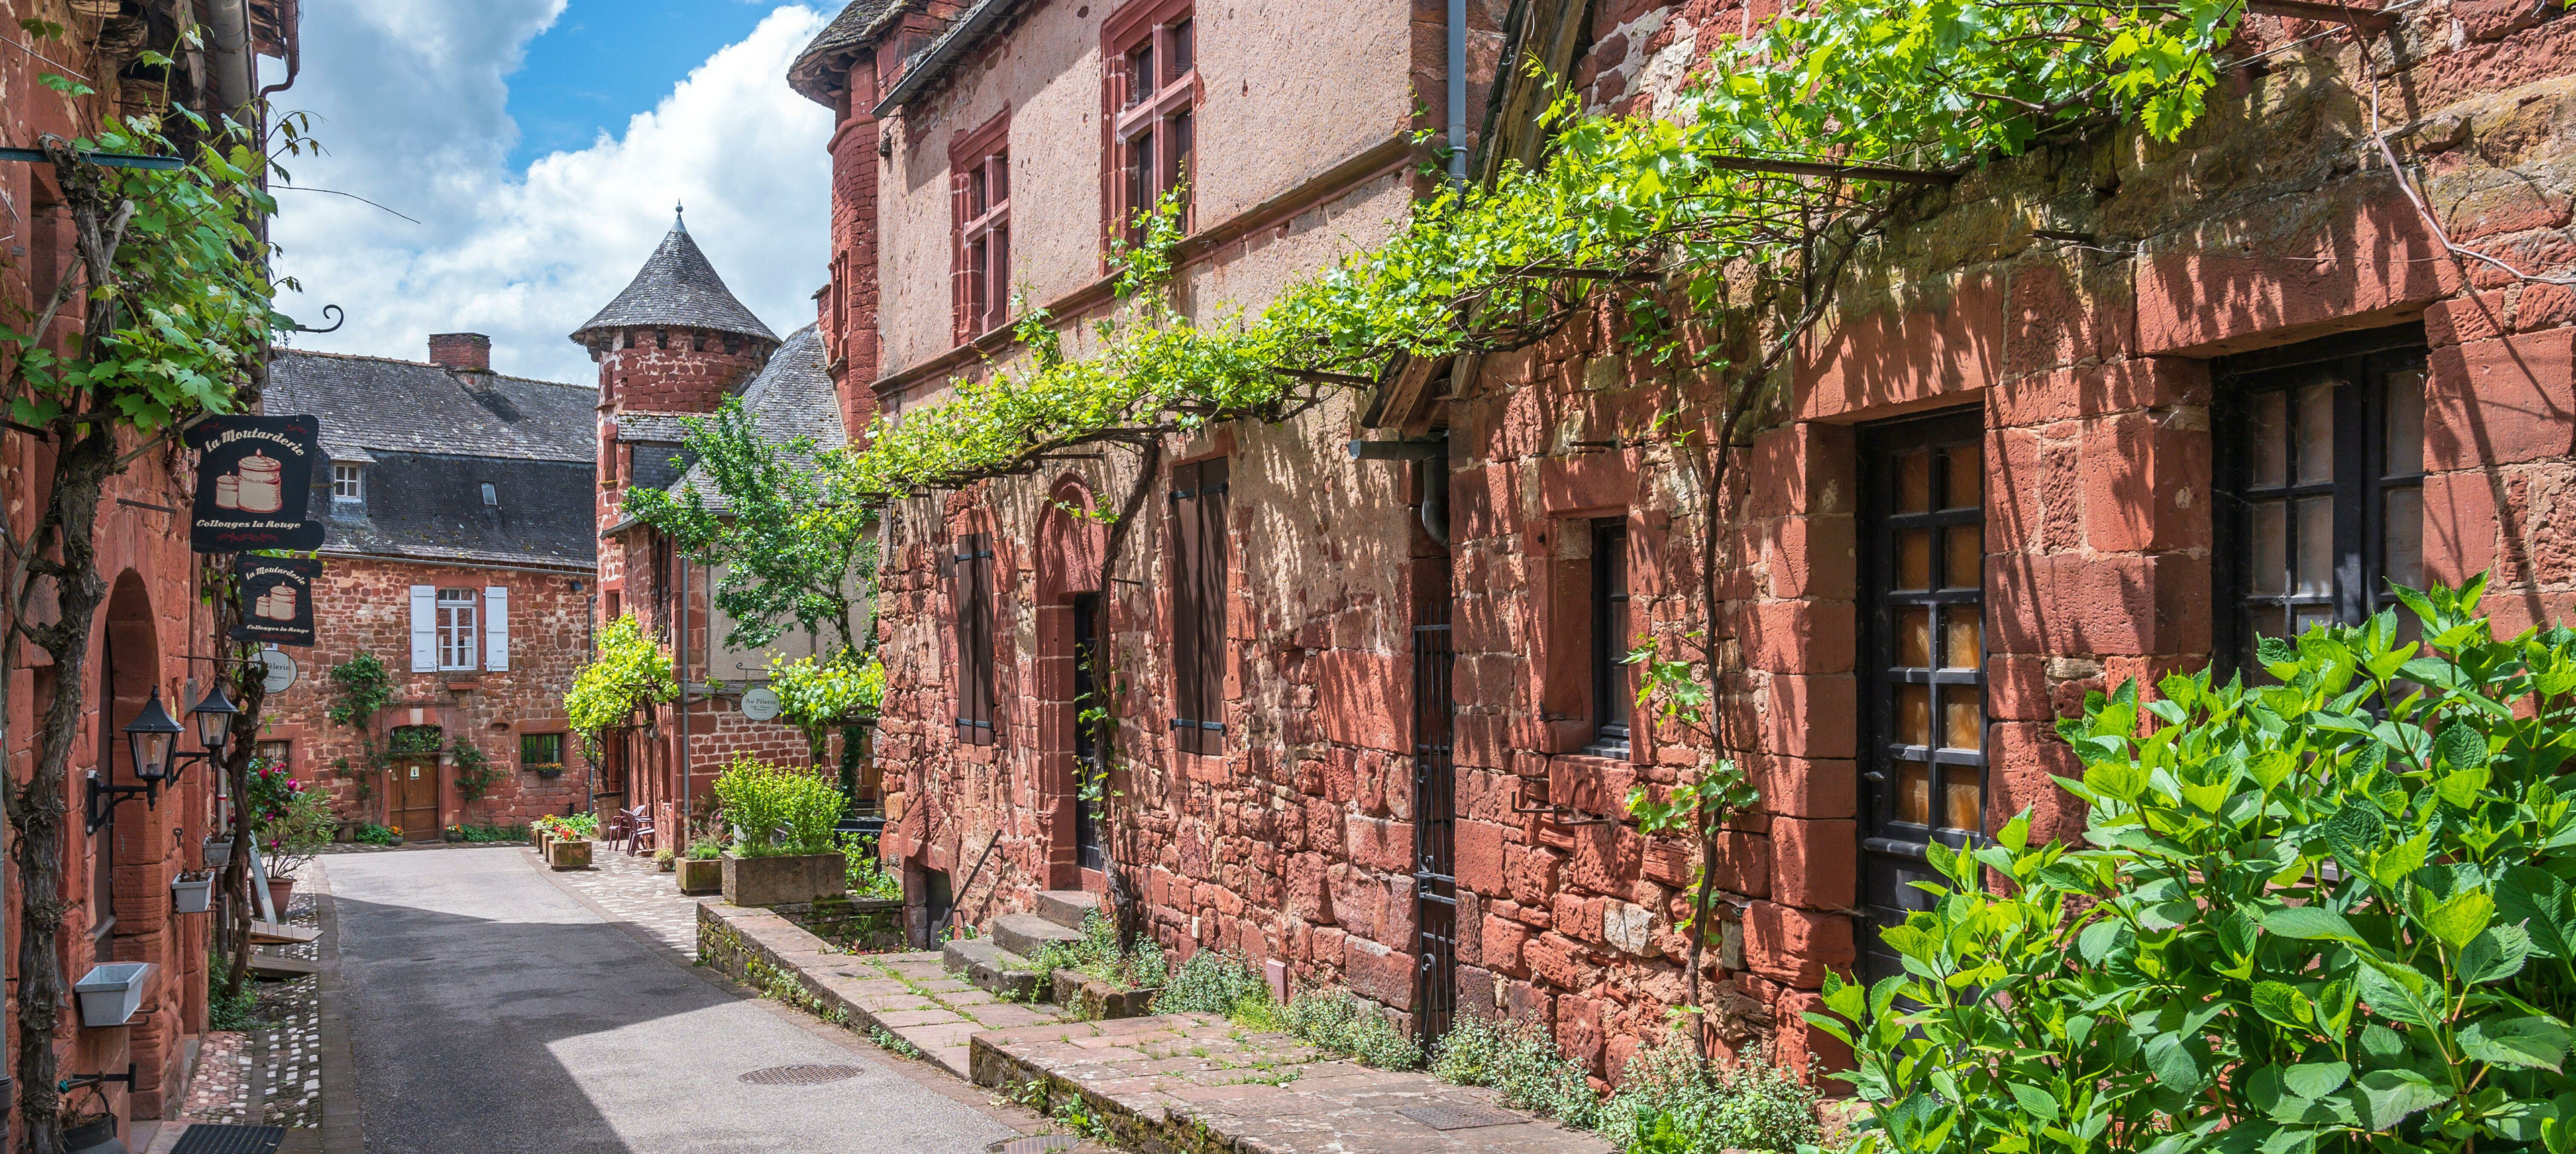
<point>2089,367</point>
<point>363,605</point>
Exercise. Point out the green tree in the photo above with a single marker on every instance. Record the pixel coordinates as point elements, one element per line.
<point>789,544</point>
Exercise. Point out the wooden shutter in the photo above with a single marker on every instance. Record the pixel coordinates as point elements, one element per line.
<point>960,288</point>
<point>973,599</point>
<point>1198,606</point>
<point>496,628</point>
<point>424,629</point>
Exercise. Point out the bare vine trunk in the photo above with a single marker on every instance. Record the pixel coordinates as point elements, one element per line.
<point>1125,910</point>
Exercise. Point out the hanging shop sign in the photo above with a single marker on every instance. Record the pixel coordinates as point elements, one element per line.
<point>760,703</point>
<point>277,670</point>
<point>276,598</point>
<point>254,476</point>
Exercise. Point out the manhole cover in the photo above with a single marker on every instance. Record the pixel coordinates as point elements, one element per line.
<point>799,1075</point>
<point>1035,1144</point>
<point>1459,1117</point>
<point>204,1139</point>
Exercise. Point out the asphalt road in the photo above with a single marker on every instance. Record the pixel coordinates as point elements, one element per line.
<point>490,1013</point>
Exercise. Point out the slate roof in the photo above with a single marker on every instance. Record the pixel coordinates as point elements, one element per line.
<point>834,48</point>
<point>430,438</point>
<point>790,399</point>
<point>677,287</point>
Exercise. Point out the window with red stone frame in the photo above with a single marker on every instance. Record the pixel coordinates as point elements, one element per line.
<point>979,173</point>
<point>1152,90</point>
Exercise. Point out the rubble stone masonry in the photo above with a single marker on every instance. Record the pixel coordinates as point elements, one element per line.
<point>2088,366</point>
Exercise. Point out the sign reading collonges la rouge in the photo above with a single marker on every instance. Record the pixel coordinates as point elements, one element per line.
<point>277,598</point>
<point>254,475</point>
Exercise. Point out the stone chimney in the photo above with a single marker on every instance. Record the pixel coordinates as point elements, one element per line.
<point>471,352</point>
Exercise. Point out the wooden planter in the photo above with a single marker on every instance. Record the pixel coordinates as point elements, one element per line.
<point>701,876</point>
<point>788,879</point>
<point>568,854</point>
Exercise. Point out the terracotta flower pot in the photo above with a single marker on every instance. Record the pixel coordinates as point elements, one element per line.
<point>279,890</point>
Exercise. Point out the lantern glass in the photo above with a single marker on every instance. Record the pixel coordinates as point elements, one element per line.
<point>214,718</point>
<point>151,733</point>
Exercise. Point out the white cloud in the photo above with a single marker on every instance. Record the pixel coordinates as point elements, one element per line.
<point>409,98</point>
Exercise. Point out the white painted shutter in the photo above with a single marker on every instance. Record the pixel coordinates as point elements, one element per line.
<point>496,628</point>
<point>424,629</point>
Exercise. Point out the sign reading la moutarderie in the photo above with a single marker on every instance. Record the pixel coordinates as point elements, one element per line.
<point>276,598</point>
<point>254,475</point>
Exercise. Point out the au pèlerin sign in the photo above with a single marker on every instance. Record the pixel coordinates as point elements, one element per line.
<point>254,477</point>
<point>276,598</point>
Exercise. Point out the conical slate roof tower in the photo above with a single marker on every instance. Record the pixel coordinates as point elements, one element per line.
<point>678,288</point>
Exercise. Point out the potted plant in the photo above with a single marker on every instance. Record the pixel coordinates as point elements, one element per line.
<point>192,893</point>
<point>292,822</point>
<point>218,851</point>
<point>88,1130</point>
<point>786,854</point>
<point>702,872</point>
<point>665,860</point>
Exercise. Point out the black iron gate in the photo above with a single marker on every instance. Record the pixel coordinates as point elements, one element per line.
<point>1087,762</point>
<point>1435,815</point>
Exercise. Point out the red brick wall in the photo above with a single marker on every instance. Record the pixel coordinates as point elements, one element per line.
<point>676,370</point>
<point>365,605</point>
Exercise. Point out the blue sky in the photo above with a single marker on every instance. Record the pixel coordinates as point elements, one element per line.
<point>533,149</point>
<point>603,61</point>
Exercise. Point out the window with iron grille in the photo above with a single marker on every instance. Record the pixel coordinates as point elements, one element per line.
<point>2321,475</point>
<point>979,166</point>
<point>1153,99</point>
<point>457,636</point>
<point>1198,499</point>
<point>541,751</point>
<point>1611,695</point>
<point>971,568</point>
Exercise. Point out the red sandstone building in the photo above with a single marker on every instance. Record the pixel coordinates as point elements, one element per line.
<point>116,881</point>
<point>459,553</point>
<point>1376,704</point>
<point>676,344</point>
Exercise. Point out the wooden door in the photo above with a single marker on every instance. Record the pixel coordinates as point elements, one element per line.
<point>415,799</point>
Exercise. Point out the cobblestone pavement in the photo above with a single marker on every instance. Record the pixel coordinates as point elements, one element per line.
<point>270,1074</point>
<point>632,890</point>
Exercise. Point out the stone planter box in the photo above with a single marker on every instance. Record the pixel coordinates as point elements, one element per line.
<point>568,854</point>
<point>784,880</point>
<point>701,876</point>
<point>219,851</point>
<point>192,895</point>
<point>111,993</point>
<point>1086,998</point>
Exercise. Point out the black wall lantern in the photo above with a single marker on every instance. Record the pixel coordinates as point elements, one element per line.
<point>150,737</point>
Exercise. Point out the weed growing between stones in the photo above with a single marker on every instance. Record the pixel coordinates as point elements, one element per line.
<point>1522,1060</point>
<point>1213,982</point>
<point>1343,1022</point>
<point>893,1043</point>
<point>1668,1093</point>
<point>1096,954</point>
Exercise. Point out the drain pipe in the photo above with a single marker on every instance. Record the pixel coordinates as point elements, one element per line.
<point>1434,455</point>
<point>1457,97</point>
<point>228,35</point>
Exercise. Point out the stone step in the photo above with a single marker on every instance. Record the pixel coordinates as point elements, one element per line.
<point>987,966</point>
<point>1022,934</point>
<point>1067,908</point>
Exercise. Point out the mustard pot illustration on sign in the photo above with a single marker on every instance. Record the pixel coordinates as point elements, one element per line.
<point>253,486</point>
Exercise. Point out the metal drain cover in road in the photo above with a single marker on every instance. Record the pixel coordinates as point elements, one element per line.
<point>1459,1117</point>
<point>799,1075</point>
<point>1035,1144</point>
<point>205,1139</point>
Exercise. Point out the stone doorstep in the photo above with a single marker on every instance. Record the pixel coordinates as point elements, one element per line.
<point>1148,1079</point>
<point>870,990</point>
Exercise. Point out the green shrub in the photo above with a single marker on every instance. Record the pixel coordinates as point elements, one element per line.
<point>778,809</point>
<point>1211,982</point>
<point>1669,1097</point>
<point>2326,914</point>
<point>866,873</point>
<point>1345,1023</point>
<point>373,834</point>
<point>1097,955</point>
<point>705,849</point>
<point>489,833</point>
<point>239,1012</point>
<point>1520,1059</point>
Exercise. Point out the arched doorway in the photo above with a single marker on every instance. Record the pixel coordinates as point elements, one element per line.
<point>1069,674</point>
<point>129,668</point>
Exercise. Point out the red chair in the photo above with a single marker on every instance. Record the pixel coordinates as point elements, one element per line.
<point>639,830</point>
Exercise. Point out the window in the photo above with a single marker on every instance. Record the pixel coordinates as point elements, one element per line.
<point>347,483</point>
<point>972,569</point>
<point>2322,467</point>
<point>274,754</point>
<point>1198,606</point>
<point>1611,696</point>
<point>979,166</point>
<point>1154,90</point>
<point>541,751</point>
<point>456,632</point>
<point>1922,750</point>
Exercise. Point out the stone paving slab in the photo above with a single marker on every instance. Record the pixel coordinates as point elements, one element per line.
<point>1196,1084</point>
